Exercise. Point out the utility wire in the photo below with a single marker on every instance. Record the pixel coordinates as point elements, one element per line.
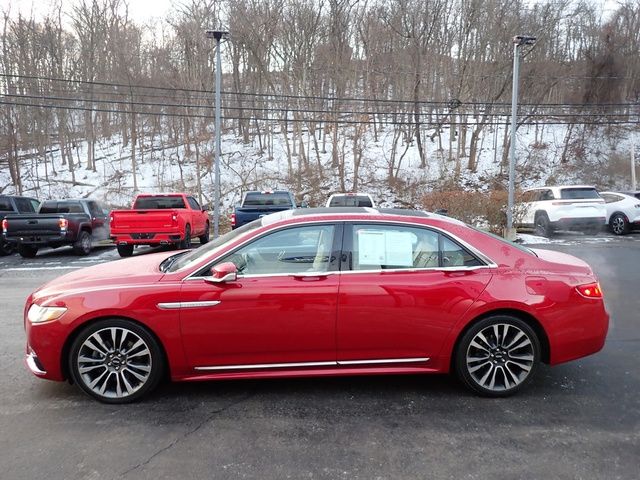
<point>306,120</point>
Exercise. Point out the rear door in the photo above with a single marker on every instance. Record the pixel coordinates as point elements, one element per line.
<point>197,217</point>
<point>402,289</point>
<point>99,221</point>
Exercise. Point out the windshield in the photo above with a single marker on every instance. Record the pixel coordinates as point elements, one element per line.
<point>351,201</point>
<point>160,202</point>
<point>181,261</point>
<point>263,199</point>
<point>579,193</point>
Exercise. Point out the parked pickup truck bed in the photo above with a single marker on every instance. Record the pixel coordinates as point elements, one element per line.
<point>58,222</point>
<point>159,219</point>
<point>258,204</point>
<point>10,204</point>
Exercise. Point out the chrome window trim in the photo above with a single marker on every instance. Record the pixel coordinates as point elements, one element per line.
<point>312,364</point>
<point>179,305</point>
<point>489,263</point>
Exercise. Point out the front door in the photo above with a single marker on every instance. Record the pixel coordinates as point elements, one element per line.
<point>279,313</point>
<point>402,290</point>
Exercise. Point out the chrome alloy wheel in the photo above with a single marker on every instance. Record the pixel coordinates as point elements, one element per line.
<point>114,362</point>
<point>618,225</point>
<point>500,357</point>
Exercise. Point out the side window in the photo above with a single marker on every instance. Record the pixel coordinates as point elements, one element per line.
<point>293,250</point>
<point>380,247</point>
<point>610,198</point>
<point>35,204</point>
<point>545,195</point>
<point>193,203</point>
<point>453,255</point>
<point>95,210</point>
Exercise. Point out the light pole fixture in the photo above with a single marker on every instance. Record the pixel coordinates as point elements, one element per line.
<point>518,41</point>
<point>218,35</point>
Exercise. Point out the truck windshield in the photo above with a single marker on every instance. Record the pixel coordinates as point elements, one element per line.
<point>351,201</point>
<point>176,262</point>
<point>61,207</point>
<point>265,199</point>
<point>161,202</point>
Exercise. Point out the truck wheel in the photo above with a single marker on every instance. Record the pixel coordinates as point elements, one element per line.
<point>186,243</point>
<point>6,248</point>
<point>27,251</point>
<point>82,245</point>
<point>125,250</point>
<point>204,238</point>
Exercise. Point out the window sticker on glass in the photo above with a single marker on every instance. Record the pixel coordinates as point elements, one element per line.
<point>385,248</point>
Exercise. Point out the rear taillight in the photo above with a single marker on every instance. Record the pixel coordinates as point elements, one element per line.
<point>5,225</point>
<point>233,220</point>
<point>63,223</point>
<point>590,290</point>
<point>111,222</point>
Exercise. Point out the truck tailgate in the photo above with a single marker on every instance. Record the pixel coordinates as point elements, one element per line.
<point>144,220</point>
<point>27,225</point>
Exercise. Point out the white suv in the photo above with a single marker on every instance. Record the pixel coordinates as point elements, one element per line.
<point>546,209</point>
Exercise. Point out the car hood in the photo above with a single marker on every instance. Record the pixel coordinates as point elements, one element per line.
<point>138,270</point>
<point>563,261</point>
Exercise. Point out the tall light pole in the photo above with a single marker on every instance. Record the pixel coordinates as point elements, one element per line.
<point>518,41</point>
<point>218,35</point>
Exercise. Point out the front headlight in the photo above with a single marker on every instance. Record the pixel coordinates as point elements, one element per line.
<point>38,314</point>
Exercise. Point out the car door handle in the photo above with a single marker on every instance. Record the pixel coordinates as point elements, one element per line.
<point>310,276</point>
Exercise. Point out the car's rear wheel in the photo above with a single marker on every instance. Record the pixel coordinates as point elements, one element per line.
<point>6,248</point>
<point>27,251</point>
<point>186,242</point>
<point>116,361</point>
<point>497,356</point>
<point>83,244</point>
<point>125,250</point>
<point>204,238</point>
<point>619,224</point>
<point>542,225</point>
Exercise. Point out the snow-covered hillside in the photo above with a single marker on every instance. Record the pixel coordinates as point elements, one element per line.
<point>599,156</point>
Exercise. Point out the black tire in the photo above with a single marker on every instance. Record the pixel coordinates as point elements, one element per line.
<point>123,373</point>
<point>186,242</point>
<point>27,251</point>
<point>508,359</point>
<point>619,224</point>
<point>83,244</point>
<point>204,238</point>
<point>125,250</point>
<point>542,225</point>
<point>7,248</point>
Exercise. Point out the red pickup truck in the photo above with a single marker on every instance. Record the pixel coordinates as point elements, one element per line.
<point>159,219</point>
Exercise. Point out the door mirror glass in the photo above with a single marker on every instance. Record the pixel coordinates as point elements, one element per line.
<point>222,273</point>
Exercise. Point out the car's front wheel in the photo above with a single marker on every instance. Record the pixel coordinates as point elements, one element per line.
<point>497,356</point>
<point>542,225</point>
<point>619,224</point>
<point>116,361</point>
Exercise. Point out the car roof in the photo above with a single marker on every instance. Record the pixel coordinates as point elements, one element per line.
<point>550,187</point>
<point>356,213</point>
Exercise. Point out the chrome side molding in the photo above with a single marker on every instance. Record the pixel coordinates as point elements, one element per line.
<point>179,305</point>
<point>314,364</point>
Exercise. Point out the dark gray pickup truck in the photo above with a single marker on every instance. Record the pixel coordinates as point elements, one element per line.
<point>58,222</point>
<point>14,204</point>
<point>257,204</point>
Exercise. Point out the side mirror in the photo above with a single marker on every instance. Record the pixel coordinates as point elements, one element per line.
<point>223,273</point>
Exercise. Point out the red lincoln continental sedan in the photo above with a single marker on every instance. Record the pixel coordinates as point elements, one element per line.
<point>319,292</point>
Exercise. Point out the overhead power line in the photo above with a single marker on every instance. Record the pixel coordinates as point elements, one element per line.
<point>307,120</point>
<point>277,96</point>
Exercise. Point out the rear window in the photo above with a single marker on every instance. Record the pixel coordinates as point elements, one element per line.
<point>259,199</point>
<point>579,193</point>
<point>61,207</point>
<point>351,201</point>
<point>158,203</point>
<point>5,205</point>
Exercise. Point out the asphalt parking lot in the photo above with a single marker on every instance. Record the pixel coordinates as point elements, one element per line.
<point>575,421</point>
